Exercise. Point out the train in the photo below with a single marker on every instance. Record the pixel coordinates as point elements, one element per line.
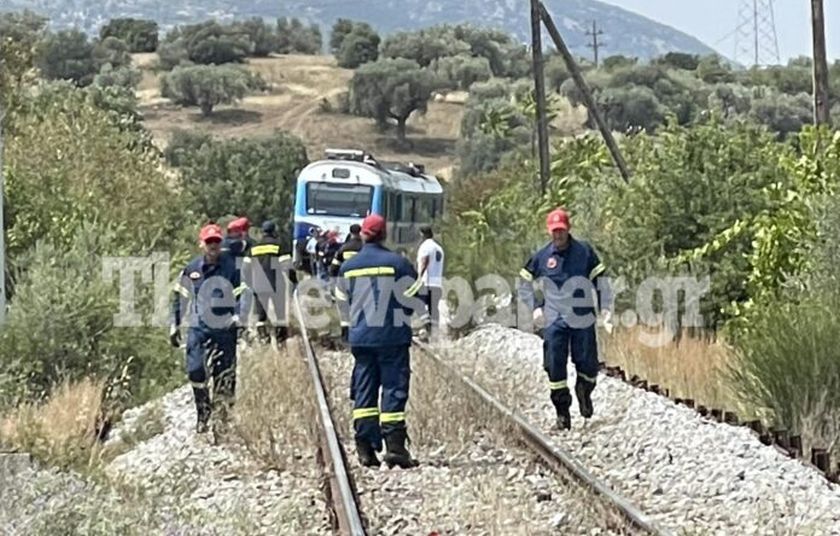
<point>348,184</point>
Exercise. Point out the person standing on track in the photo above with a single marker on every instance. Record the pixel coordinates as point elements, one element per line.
<point>212,284</point>
<point>271,274</point>
<point>347,251</point>
<point>378,286</point>
<point>569,270</point>
<point>430,268</point>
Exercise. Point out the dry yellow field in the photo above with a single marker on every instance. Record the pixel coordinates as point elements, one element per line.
<point>298,87</point>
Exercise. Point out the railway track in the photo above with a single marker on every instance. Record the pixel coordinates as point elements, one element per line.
<point>528,473</point>
<point>345,514</point>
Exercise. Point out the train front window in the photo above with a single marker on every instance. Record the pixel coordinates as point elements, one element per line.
<point>349,200</point>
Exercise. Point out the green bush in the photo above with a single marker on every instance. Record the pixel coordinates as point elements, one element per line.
<point>206,86</point>
<point>68,55</point>
<point>71,161</point>
<point>58,329</point>
<point>253,177</point>
<point>140,35</point>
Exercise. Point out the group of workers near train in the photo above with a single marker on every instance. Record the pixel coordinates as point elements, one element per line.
<point>378,291</point>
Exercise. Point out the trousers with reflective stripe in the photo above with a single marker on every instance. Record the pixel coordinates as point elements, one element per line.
<point>559,340</point>
<point>385,369</point>
<point>220,346</point>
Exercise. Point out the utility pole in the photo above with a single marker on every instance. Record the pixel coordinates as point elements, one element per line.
<point>595,34</point>
<point>588,100</point>
<point>755,31</point>
<point>822,106</point>
<point>539,88</point>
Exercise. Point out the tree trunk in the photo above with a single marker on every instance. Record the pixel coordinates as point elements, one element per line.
<point>401,130</point>
<point>206,109</point>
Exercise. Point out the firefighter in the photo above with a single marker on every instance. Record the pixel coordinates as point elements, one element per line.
<point>569,270</point>
<point>212,286</point>
<point>352,245</point>
<point>378,286</point>
<point>272,272</point>
<point>237,242</point>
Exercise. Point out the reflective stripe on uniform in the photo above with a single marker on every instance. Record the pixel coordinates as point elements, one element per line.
<point>590,379</point>
<point>598,270</point>
<point>340,295</point>
<point>392,417</point>
<point>181,289</point>
<point>556,386</point>
<point>349,254</point>
<point>265,249</point>
<point>373,270</point>
<point>413,289</point>
<point>526,275</point>
<point>240,289</point>
<point>199,385</point>
<point>336,262</point>
<point>363,413</point>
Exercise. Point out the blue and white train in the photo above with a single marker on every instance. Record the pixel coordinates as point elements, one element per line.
<point>340,190</point>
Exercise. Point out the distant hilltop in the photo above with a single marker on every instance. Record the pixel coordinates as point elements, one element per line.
<point>625,32</point>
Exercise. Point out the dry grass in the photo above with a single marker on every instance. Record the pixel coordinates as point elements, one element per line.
<point>275,412</point>
<point>60,431</point>
<point>298,86</point>
<point>689,368</point>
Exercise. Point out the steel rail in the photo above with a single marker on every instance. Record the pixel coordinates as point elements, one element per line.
<point>344,502</point>
<point>550,452</point>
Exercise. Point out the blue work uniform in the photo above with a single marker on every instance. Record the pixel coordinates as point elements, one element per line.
<point>378,287</point>
<point>210,294</point>
<point>238,247</point>
<point>569,278</point>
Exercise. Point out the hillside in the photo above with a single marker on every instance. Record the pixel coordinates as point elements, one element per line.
<point>299,88</point>
<point>624,32</point>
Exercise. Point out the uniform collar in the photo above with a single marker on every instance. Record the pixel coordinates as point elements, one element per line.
<point>562,251</point>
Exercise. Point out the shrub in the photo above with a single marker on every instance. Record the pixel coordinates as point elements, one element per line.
<point>205,86</point>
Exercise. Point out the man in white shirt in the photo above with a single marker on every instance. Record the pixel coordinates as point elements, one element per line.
<point>430,270</point>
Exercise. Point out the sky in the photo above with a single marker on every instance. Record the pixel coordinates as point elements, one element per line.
<point>714,22</point>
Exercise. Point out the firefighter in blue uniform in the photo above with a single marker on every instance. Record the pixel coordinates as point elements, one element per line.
<point>237,242</point>
<point>380,337</point>
<point>212,285</point>
<point>270,276</point>
<point>568,270</point>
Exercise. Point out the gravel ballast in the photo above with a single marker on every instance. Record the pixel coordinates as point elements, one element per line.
<point>690,474</point>
<point>470,481</point>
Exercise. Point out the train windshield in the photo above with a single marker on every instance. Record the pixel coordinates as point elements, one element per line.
<point>349,200</point>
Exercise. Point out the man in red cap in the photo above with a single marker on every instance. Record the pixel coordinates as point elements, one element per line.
<point>378,287</point>
<point>569,270</point>
<point>237,242</point>
<point>212,285</point>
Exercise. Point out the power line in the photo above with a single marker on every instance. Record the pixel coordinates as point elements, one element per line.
<point>595,45</point>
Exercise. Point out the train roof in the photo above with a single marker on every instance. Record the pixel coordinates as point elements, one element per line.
<point>362,168</point>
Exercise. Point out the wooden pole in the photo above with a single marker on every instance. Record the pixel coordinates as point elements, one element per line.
<point>539,88</point>
<point>822,105</point>
<point>588,99</point>
<point>2,226</point>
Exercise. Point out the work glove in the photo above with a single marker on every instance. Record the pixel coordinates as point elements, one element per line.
<point>234,322</point>
<point>539,318</point>
<point>174,336</point>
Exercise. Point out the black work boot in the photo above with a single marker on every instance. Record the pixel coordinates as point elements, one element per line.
<point>282,333</point>
<point>583,392</point>
<point>562,400</point>
<point>367,455</point>
<point>262,334</point>
<point>396,453</point>
<point>202,409</point>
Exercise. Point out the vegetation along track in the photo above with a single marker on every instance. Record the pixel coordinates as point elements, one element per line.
<point>475,476</point>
